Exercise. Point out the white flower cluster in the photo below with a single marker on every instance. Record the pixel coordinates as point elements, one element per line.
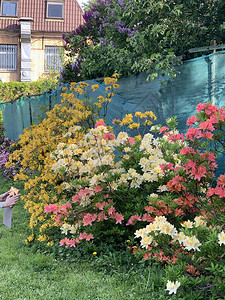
<point>69,228</point>
<point>162,226</point>
<point>95,150</point>
<point>172,286</point>
<point>221,237</point>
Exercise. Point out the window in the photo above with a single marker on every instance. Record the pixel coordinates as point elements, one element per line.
<point>9,8</point>
<point>8,57</point>
<point>55,10</point>
<point>53,61</point>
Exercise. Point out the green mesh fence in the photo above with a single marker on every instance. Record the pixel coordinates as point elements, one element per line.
<point>199,80</point>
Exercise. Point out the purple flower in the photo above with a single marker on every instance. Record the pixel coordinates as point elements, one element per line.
<point>121,2</point>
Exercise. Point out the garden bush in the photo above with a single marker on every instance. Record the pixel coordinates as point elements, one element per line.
<point>13,90</point>
<point>39,141</point>
<point>129,37</point>
<point>195,246</point>
<point>93,187</point>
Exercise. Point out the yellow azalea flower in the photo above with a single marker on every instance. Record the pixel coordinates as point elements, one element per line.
<point>83,84</point>
<point>116,86</point>
<point>94,253</point>
<point>50,243</point>
<point>110,95</point>
<point>134,125</point>
<point>95,87</point>
<point>116,75</point>
<point>138,137</point>
<point>42,238</point>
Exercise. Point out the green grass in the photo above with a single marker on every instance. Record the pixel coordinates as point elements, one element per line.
<point>28,274</point>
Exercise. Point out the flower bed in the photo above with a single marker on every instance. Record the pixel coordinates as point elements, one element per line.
<point>91,186</point>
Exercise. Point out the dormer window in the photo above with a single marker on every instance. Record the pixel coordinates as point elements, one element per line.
<point>9,8</point>
<point>54,9</point>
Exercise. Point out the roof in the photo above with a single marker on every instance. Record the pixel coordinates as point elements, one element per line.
<point>35,9</point>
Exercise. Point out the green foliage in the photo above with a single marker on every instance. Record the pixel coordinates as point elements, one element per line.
<point>133,36</point>
<point>10,91</point>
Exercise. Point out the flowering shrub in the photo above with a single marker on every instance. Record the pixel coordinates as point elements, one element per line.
<point>91,185</point>
<point>195,245</point>
<point>39,141</point>
<point>130,37</point>
<point>196,249</point>
<point>111,190</point>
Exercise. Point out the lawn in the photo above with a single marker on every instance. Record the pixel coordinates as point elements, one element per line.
<point>30,274</point>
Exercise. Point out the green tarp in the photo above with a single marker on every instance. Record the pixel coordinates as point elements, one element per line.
<point>198,80</point>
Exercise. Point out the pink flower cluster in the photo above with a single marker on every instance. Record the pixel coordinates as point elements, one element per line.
<point>219,190</point>
<point>72,242</point>
<point>205,130</point>
<point>108,213</point>
<point>59,211</point>
<point>100,123</point>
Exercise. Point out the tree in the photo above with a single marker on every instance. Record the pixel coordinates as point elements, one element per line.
<point>133,36</point>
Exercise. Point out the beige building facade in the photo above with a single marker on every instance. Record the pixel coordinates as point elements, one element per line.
<point>31,41</point>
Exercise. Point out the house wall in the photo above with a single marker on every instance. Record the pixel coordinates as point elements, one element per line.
<point>38,43</point>
<point>11,38</point>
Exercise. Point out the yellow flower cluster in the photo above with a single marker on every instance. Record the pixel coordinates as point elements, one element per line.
<point>142,119</point>
<point>61,126</point>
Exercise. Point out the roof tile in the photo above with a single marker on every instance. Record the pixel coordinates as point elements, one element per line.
<point>35,9</point>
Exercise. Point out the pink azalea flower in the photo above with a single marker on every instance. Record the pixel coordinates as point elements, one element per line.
<point>89,237</point>
<point>88,219</point>
<point>147,218</point>
<point>131,141</point>
<point>100,123</point>
<point>108,136</point>
<point>168,166</point>
<point>199,172</point>
<point>98,189</point>
<point>186,150</point>
<point>133,220</point>
<point>64,242</point>
<point>111,210</point>
<point>211,109</point>
<point>221,180</point>
<point>118,217</point>
<point>51,208</point>
<point>176,137</point>
<point>207,135</point>
<point>220,191</point>
<point>102,216</point>
<point>207,125</point>
<point>100,205</point>
<point>85,236</point>
<point>163,129</point>
<point>85,192</point>
<point>65,206</point>
<point>192,120</point>
<point>76,198</point>
<point>116,121</point>
<point>200,107</point>
<point>193,133</point>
